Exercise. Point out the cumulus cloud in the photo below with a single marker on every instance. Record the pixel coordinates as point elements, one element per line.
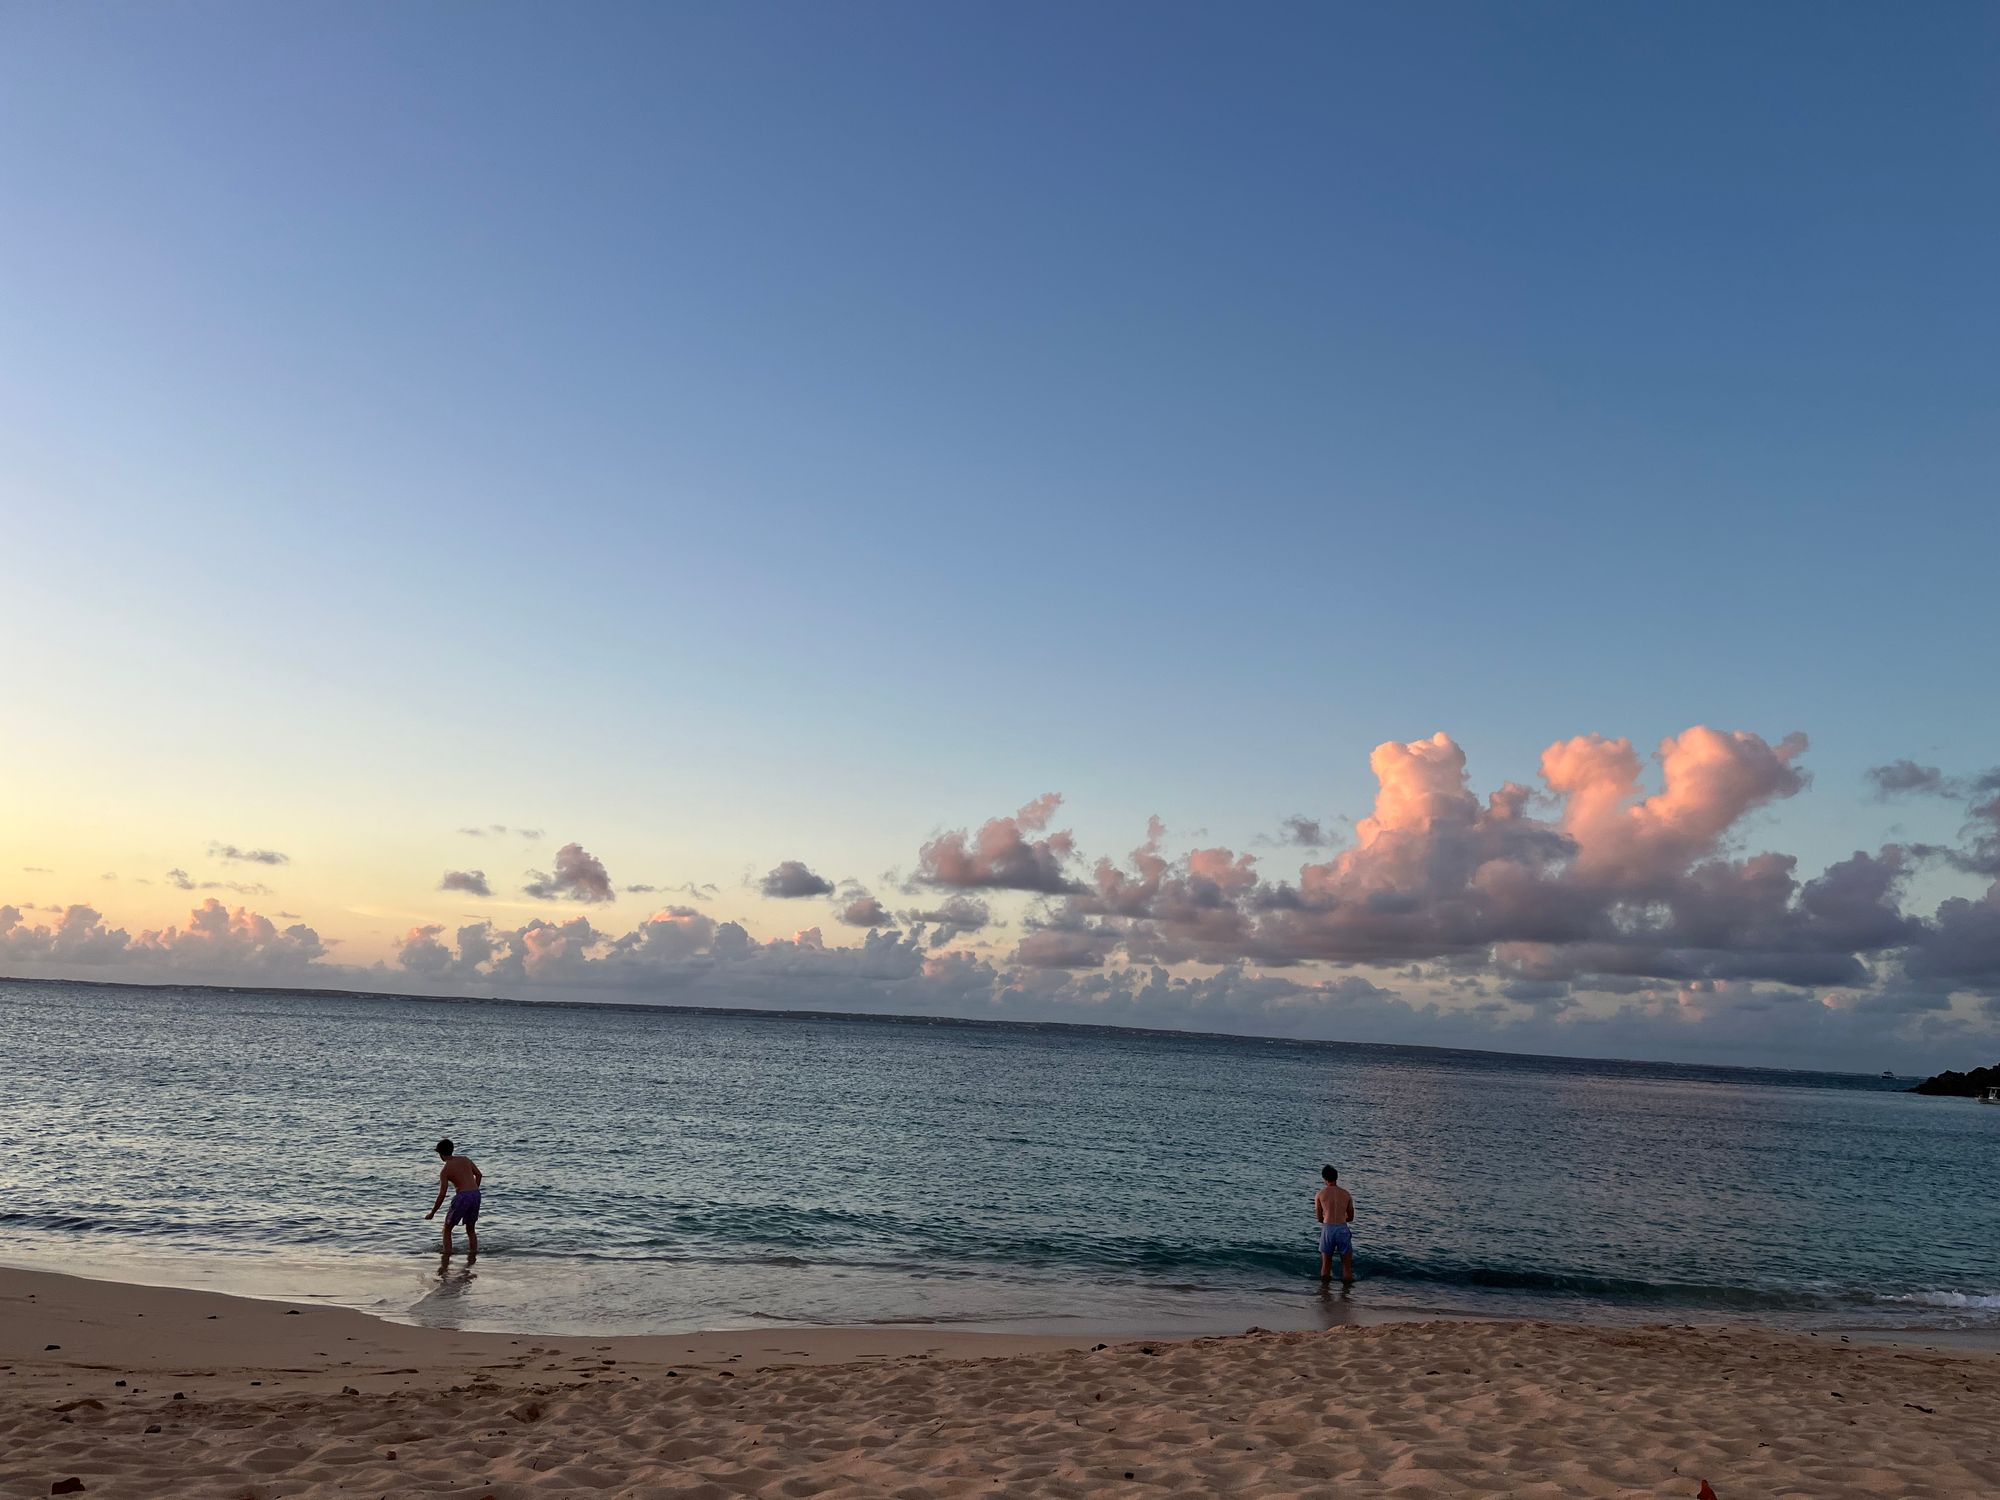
<point>677,953</point>
<point>216,943</point>
<point>424,951</point>
<point>222,940</point>
<point>1962,946</point>
<point>471,882</point>
<point>791,881</point>
<point>231,854</point>
<point>578,876</point>
<point>421,953</point>
<point>78,936</point>
<point>1710,779</point>
<point>951,918</point>
<point>1003,855</point>
<point>1623,880</point>
<point>865,911</point>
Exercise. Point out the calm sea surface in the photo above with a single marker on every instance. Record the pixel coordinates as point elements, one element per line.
<point>650,1170</point>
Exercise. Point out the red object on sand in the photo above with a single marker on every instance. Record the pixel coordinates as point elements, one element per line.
<point>1704,1493</point>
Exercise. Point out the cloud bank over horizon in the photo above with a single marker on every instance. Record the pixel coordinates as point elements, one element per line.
<point>1588,912</point>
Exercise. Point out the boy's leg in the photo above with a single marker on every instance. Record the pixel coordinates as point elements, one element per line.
<point>1347,1269</point>
<point>445,1244</point>
<point>1326,1267</point>
<point>472,1247</point>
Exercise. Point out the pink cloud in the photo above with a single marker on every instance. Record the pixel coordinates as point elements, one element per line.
<point>1002,856</point>
<point>422,953</point>
<point>675,932</point>
<point>1711,778</point>
<point>1620,880</point>
<point>219,939</point>
<point>865,911</point>
<point>79,935</point>
<point>216,941</point>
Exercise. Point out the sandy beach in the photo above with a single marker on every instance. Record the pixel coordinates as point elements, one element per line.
<point>154,1392</point>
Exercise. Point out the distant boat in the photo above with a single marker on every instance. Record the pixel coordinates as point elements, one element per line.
<point>1991,1096</point>
<point>1887,1074</point>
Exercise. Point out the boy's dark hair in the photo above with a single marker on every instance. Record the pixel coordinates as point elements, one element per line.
<point>445,1148</point>
<point>1329,1174</point>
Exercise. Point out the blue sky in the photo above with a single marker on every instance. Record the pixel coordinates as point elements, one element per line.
<point>740,433</point>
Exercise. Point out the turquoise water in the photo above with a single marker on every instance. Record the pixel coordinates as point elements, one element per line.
<point>652,1169</point>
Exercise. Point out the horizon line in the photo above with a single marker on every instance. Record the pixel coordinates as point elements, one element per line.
<point>911,1017</point>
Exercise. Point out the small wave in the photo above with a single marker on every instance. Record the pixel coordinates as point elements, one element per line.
<point>925,1320</point>
<point>58,1223</point>
<point>1978,1301</point>
<point>891,1246</point>
<point>1180,1268</point>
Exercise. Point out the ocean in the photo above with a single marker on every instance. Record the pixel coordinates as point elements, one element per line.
<point>653,1170</point>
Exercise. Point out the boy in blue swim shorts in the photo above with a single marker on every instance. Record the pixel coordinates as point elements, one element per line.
<point>1333,1207</point>
<point>461,1174</point>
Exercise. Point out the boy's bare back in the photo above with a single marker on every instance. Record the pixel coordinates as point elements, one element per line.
<point>462,1172</point>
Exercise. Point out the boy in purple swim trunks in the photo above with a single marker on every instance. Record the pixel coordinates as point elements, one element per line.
<point>461,1174</point>
<point>1333,1206</point>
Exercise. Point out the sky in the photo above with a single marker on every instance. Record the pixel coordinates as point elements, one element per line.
<point>751,454</point>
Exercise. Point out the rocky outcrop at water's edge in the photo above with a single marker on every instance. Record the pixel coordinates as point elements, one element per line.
<point>1961,1085</point>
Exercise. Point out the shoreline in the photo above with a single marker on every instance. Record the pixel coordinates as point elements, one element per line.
<point>101,1314</point>
<point>442,1305</point>
<point>450,1305</point>
<point>407,1291</point>
<point>156,1392</point>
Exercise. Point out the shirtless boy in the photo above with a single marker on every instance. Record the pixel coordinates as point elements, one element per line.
<point>461,1174</point>
<point>1333,1207</point>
